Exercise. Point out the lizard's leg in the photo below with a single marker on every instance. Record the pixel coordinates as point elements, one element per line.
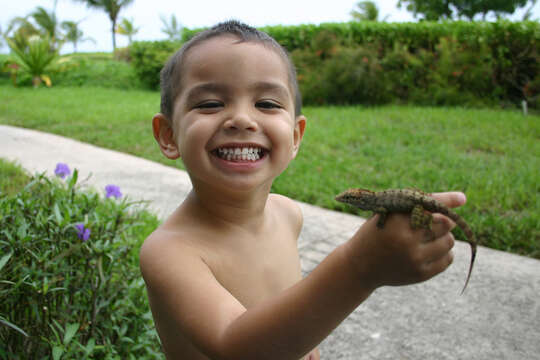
<point>420,218</point>
<point>382,216</point>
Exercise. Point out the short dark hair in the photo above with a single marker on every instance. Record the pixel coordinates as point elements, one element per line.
<point>172,71</point>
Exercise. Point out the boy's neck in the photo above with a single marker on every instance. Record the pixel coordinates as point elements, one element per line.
<point>238,209</point>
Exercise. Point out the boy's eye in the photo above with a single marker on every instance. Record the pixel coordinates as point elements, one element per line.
<point>266,104</point>
<point>209,105</point>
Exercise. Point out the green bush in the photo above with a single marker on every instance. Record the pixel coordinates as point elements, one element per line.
<point>148,57</point>
<point>347,76</point>
<point>97,71</point>
<point>68,292</point>
<point>34,58</point>
<point>453,73</point>
<point>448,63</point>
<point>422,35</point>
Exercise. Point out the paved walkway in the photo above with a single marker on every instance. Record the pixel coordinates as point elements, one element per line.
<point>498,317</point>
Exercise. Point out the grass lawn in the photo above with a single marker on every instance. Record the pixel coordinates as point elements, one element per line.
<point>12,177</point>
<point>491,155</point>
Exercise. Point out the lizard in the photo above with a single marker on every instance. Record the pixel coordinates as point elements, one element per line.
<point>408,201</point>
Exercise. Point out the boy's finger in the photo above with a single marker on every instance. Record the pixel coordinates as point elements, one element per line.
<point>439,265</point>
<point>451,199</point>
<point>441,224</point>
<point>438,248</point>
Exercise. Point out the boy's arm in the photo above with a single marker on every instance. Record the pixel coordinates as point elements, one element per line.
<point>292,323</point>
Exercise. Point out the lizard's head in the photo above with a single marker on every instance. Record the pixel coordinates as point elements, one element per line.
<point>356,197</point>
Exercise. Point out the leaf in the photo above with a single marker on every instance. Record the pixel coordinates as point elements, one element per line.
<point>57,214</point>
<point>90,346</point>
<point>47,80</point>
<point>57,352</point>
<point>13,326</point>
<point>73,179</point>
<point>21,231</point>
<point>71,329</point>
<point>4,260</point>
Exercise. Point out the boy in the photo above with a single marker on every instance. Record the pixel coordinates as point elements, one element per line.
<point>223,272</point>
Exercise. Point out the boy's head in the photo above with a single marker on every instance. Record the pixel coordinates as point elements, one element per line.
<point>171,74</point>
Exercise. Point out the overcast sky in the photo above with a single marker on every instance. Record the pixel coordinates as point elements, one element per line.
<point>145,14</point>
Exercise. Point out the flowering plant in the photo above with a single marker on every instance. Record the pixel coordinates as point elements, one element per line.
<point>69,276</point>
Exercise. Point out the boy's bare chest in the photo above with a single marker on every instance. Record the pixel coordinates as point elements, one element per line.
<point>254,271</point>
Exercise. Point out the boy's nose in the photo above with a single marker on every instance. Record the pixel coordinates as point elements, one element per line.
<point>240,120</point>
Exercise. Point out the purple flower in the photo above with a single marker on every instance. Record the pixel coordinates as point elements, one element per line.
<point>62,170</point>
<point>82,232</point>
<point>113,190</point>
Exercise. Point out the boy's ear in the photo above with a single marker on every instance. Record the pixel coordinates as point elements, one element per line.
<point>164,136</point>
<point>298,133</point>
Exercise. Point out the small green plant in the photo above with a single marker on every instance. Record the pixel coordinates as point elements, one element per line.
<point>69,277</point>
<point>35,57</point>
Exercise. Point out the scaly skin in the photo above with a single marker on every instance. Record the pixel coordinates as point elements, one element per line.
<point>407,201</point>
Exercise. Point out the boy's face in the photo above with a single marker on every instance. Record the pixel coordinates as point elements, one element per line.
<point>234,123</point>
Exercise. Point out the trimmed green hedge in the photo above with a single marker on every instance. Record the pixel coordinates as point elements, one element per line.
<point>422,35</point>
<point>448,63</point>
<point>148,57</point>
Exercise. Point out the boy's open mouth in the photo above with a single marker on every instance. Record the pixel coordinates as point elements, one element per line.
<point>247,153</point>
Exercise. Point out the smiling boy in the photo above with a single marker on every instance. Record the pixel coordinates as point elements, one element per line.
<point>223,271</point>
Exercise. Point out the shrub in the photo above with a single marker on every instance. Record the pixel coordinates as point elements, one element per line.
<point>97,71</point>
<point>33,58</point>
<point>148,57</point>
<point>348,76</point>
<point>447,63</point>
<point>461,74</point>
<point>69,277</point>
<point>122,54</point>
<point>407,72</point>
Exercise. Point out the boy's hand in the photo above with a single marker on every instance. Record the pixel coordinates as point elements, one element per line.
<point>399,255</point>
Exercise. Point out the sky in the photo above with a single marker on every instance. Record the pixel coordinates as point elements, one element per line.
<point>145,14</point>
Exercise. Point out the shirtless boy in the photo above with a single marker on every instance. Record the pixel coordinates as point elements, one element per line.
<point>223,271</point>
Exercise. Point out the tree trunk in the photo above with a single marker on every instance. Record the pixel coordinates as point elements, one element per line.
<point>113,35</point>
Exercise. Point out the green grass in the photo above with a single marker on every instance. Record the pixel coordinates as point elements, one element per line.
<point>12,177</point>
<point>491,155</point>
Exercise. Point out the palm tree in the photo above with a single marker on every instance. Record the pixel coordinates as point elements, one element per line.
<point>19,30</point>
<point>127,28</point>
<point>528,14</point>
<point>112,8</point>
<point>366,11</point>
<point>48,23</point>
<point>34,57</point>
<point>73,34</point>
<point>172,29</point>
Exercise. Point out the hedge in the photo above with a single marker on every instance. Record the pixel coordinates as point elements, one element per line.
<point>148,57</point>
<point>422,35</point>
<point>503,55</point>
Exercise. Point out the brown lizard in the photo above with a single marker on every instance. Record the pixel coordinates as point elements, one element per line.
<point>407,201</point>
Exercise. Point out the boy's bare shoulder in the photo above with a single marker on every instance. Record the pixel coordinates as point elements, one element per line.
<point>162,249</point>
<point>289,209</point>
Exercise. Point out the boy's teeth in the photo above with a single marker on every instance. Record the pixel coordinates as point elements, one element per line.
<point>240,154</point>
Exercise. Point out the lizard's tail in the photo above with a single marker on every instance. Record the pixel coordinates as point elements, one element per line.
<point>471,239</point>
<point>473,256</point>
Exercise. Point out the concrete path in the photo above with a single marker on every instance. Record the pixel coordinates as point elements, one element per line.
<point>498,317</point>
